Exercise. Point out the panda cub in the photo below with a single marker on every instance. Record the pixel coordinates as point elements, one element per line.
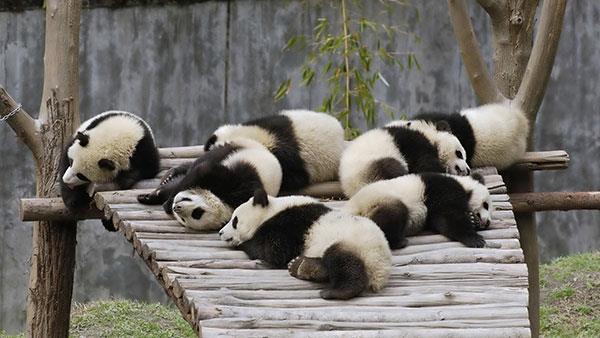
<point>493,134</point>
<point>202,195</point>
<point>397,150</point>
<point>112,147</point>
<point>315,242</point>
<point>306,143</point>
<point>454,206</point>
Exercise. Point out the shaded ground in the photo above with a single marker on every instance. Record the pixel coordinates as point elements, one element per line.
<point>570,296</point>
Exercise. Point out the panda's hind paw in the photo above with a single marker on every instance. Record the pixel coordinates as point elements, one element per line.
<point>307,268</point>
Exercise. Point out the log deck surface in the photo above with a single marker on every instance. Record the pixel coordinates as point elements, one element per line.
<point>436,288</point>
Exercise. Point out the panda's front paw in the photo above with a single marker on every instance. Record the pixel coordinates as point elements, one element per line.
<point>150,198</point>
<point>473,221</point>
<point>474,241</point>
<point>168,206</point>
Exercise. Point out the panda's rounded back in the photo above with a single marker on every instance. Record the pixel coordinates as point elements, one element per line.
<point>320,137</point>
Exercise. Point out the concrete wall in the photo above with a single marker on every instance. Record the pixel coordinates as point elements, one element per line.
<point>187,69</point>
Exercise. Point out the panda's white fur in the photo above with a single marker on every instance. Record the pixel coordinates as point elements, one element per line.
<point>320,139</point>
<point>217,212</point>
<point>448,145</point>
<point>377,144</point>
<point>115,139</point>
<point>500,132</point>
<point>360,153</point>
<point>357,234</point>
<point>411,191</point>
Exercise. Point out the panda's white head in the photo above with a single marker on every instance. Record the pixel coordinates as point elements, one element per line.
<point>452,153</point>
<point>88,164</point>
<point>200,209</point>
<point>247,219</point>
<point>480,201</point>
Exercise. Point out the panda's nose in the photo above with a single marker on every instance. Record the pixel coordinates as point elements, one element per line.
<point>177,208</point>
<point>221,233</point>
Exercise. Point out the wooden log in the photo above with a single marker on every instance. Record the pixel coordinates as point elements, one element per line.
<point>387,333</point>
<point>543,160</point>
<point>52,209</point>
<point>181,152</point>
<point>542,201</point>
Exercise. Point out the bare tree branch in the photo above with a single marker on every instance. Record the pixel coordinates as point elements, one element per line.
<point>542,201</point>
<point>485,88</point>
<point>490,6</point>
<point>22,123</point>
<point>530,94</point>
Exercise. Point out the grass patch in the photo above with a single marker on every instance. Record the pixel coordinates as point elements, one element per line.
<point>570,296</point>
<point>123,318</point>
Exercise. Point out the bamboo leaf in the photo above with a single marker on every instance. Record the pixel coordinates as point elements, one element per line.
<point>283,90</point>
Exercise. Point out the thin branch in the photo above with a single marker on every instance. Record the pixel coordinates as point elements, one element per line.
<point>530,94</point>
<point>22,123</point>
<point>485,88</point>
<point>346,64</point>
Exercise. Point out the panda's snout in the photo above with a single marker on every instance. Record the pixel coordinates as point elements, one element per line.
<point>177,208</point>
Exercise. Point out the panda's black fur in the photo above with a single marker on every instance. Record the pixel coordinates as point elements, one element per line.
<point>458,125</point>
<point>315,242</point>
<point>437,202</point>
<point>287,149</point>
<point>143,161</point>
<point>420,155</point>
<point>232,185</point>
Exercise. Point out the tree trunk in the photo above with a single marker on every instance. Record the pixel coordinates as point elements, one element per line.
<point>53,256</point>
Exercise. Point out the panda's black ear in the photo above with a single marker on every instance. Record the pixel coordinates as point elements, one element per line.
<point>478,177</point>
<point>83,139</point>
<point>443,125</point>
<point>106,164</point>
<point>210,142</point>
<point>260,198</point>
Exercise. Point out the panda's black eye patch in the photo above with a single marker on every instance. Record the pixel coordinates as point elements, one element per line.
<point>459,154</point>
<point>234,222</point>
<point>486,205</point>
<point>82,177</point>
<point>186,199</point>
<point>197,213</point>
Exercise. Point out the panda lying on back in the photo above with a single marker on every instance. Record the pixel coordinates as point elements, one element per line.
<point>397,150</point>
<point>493,134</point>
<point>306,143</point>
<point>202,195</point>
<point>454,206</point>
<point>318,243</point>
<point>113,147</point>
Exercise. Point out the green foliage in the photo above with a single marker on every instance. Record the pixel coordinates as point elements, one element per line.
<point>347,54</point>
<point>570,296</point>
<point>123,318</point>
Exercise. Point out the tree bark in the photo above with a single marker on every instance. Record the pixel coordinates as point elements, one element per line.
<point>543,201</point>
<point>53,256</point>
<point>514,56</point>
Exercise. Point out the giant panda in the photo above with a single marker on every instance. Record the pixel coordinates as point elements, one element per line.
<point>202,195</point>
<point>397,150</point>
<point>116,147</point>
<point>454,206</point>
<point>493,134</point>
<point>315,242</point>
<point>307,144</point>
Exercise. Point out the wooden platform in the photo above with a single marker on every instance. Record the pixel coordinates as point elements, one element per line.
<point>437,287</point>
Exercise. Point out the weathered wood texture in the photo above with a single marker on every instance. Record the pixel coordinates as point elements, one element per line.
<point>437,287</point>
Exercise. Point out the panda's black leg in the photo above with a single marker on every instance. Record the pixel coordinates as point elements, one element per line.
<point>308,268</point>
<point>347,273</point>
<point>391,219</point>
<point>127,178</point>
<point>168,205</point>
<point>458,227</point>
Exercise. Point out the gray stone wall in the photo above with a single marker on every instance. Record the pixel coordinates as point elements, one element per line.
<point>187,69</point>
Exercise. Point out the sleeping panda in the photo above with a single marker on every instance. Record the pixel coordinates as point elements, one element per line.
<point>306,143</point>
<point>454,206</point>
<point>397,150</point>
<point>114,146</point>
<point>493,134</point>
<point>202,195</point>
<point>313,241</point>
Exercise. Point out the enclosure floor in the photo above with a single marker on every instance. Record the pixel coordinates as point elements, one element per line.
<point>437,287</point>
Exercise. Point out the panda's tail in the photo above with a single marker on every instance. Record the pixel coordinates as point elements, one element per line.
<point>347,273</point>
